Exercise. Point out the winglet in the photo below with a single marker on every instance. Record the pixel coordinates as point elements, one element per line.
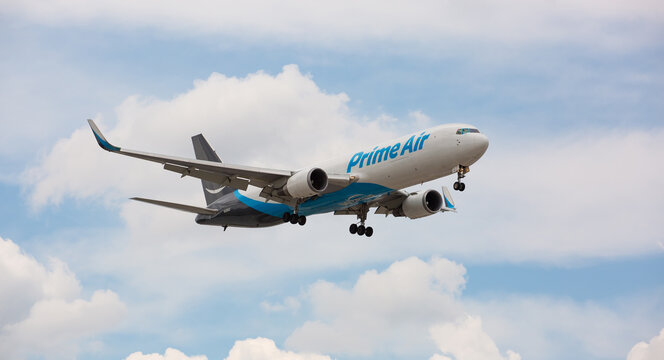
<point>101,140</point>
<point>448,204</point>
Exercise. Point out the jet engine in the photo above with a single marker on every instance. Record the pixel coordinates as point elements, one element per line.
<point>306,183</point>
<point>420,204</point>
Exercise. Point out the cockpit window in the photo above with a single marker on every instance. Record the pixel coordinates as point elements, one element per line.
<point>466,131</point>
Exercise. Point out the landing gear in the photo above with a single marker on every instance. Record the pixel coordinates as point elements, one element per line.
<point>461,173</point>
<point>361,229</point>
<point>294,218</point>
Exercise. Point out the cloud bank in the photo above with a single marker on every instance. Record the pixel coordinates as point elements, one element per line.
<point>43,312</point>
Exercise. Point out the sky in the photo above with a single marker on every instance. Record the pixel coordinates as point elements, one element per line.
<point>557,249</point>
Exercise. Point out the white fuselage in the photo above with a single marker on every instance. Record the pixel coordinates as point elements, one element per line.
<point>396,164</point>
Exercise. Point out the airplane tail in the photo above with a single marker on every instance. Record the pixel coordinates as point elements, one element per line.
<point>204,151</point>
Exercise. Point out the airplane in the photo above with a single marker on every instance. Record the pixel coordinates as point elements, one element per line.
<point>348,185</point>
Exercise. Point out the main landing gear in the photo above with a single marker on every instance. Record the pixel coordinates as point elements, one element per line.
<point>361,229</point>
<point>461,173</point>
<point>294,218</point>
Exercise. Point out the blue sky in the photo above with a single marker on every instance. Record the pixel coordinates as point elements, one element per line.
<point>557,250</point>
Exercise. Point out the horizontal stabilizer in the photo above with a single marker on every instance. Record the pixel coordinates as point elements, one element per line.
<point>448,202</point>
<point>181,207</point>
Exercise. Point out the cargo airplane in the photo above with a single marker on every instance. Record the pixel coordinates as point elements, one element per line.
<point>347,185</point>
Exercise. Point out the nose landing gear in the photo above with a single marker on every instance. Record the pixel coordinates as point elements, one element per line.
<point>461,173</point>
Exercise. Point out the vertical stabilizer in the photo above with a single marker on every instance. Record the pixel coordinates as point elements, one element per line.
<point>204,151</point>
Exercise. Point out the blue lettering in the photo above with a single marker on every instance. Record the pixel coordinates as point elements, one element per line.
<point>369,160</point>
<point>381,154</point>
<point>408,145</point>
<point>395,150</point>
<point>417,142</point>
<point>423,138</point>
<point>362,160</point>
<point>354,161</point>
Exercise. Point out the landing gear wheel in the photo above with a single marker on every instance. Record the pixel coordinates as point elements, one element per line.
<point>353,228</point>
<point>302,220</point>
<point>462,186</point>
<point>360,230</point>
<point>286,217</point>
<point>369,231</point>
<point>294,218</point>
<point>456,185</point>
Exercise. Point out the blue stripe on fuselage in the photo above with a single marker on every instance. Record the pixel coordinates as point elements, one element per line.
<point>351,195</point>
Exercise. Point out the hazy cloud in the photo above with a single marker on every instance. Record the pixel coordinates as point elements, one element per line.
<point>434,23</point>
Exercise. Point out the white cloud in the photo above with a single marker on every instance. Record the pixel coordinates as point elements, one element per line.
<point>433,23</point>
<point>415,308</point>
<point>654,350</point>
<point>248,349</point>
<point>169,354</point>
<point>466,340</point>
<point>41,310</point>
<point>265,349</point>
<point>387,311</point>
<point>235,114</point>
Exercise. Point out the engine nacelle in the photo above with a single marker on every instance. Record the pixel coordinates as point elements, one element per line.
<point>420,204</point>
<point>306,183</point>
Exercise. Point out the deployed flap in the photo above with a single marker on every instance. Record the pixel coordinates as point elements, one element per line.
<point>181,207</point>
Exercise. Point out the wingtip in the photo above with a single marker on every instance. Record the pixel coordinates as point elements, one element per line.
<point>101,140</point>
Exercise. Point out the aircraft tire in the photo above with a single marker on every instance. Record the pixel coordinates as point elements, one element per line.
<point>462,186</point>
<point>294,218</point>
<point>368,232</point>
<point>456,185</point>
<point>360,230</point>
<point>353,228</point>
<point>302,220</point>
<point>286,217</point>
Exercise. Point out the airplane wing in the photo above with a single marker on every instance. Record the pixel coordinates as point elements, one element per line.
<point>235,176</point>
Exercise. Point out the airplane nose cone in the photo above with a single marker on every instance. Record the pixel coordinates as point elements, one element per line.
<point>482,143</point>
<point>473,147</point>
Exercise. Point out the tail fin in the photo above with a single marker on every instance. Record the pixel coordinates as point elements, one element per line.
<point>204,151</point>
